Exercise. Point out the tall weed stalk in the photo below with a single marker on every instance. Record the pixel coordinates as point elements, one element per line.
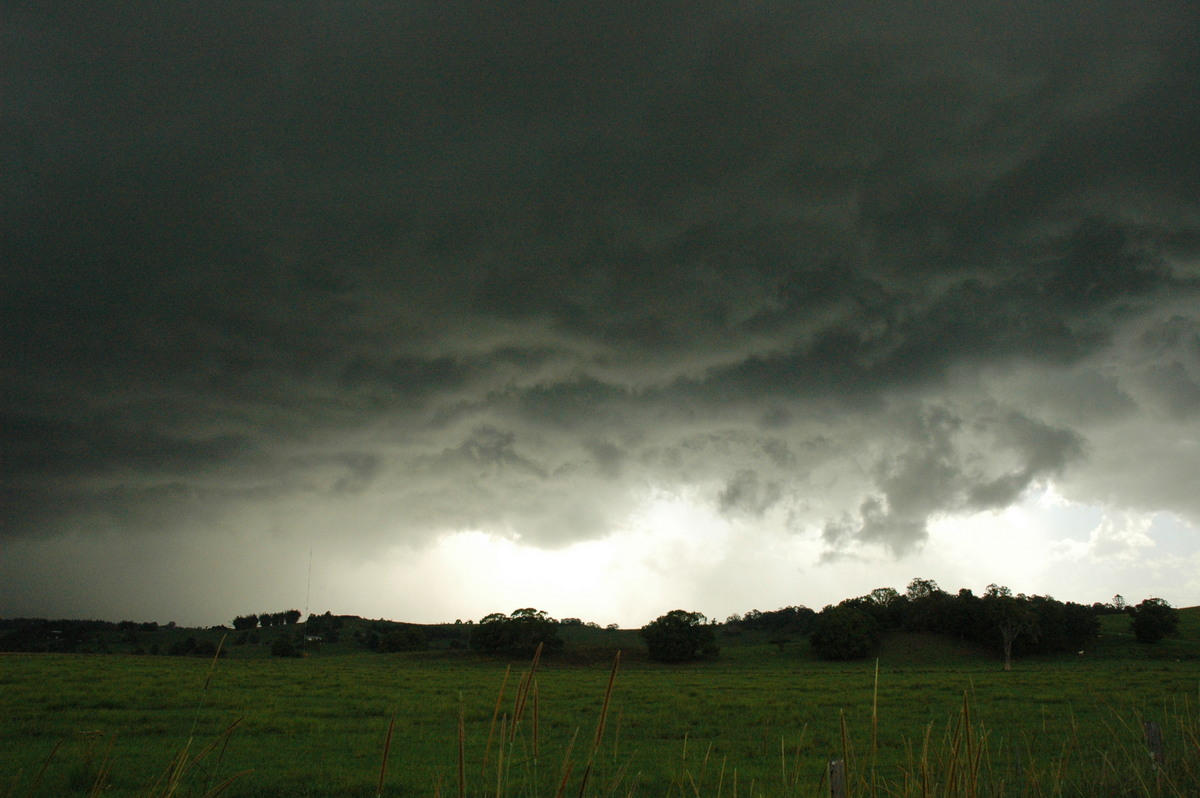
<point>512,751</point>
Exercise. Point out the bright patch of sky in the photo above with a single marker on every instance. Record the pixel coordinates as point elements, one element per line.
<point>677,551</point>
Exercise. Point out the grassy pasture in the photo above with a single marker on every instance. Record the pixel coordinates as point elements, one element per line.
<point>757,721</point>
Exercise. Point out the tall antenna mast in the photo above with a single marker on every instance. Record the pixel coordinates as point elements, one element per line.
<point>308,588</point>
<point>307,596</point>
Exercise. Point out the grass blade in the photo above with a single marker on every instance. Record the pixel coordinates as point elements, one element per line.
<point>387,745</point>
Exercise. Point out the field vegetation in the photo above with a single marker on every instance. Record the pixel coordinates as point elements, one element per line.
<point>927,714</point>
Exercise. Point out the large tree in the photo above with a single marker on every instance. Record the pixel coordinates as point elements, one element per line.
<point>518,633</point>
<point>243,622</point>
<point>926,607</point>
<point>1012,616</point>
<point>846,631</point>
<point>1153,619</point>
<point>887,606</point>
<point>680,636</point>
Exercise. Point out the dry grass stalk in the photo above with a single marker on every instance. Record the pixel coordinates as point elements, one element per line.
<point>462,752</point>
<point>846,749</point>
<point>599,736</point>
<point>37,780</point>
<point>535,724</point>
<point>169,783</point>
<point>212,669</point>
<point>495,717</point>
<point>567,767</point>
<point>523,690</point>
<point>106,762</point>
<point>387,745</point>
<point>874,725</point>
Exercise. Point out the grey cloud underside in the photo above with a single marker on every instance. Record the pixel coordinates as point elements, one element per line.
<point>946,464</point>
<point>398,269</point>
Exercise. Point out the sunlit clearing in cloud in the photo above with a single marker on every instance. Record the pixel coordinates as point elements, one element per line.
<point>1008,546</point>
<point>1075,551</point>
<point>676,550</point>
<point>472,573</point>
<point>673,531</point>
<point>672,551</point>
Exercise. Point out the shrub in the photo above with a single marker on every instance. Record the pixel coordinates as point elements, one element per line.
<point>205,648</point>
<point>408,638</point>
<point>283,646</point>
<point>181,648</point>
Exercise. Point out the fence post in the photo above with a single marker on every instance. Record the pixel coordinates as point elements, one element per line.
<point>837,778</point>
<point>1154,742</point>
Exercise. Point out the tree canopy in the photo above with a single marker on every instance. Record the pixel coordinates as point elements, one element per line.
<point>1012,616</point>
<point>680,636</point>
<point>518,633</point>
<point>999,621</point>
<point>1153,619</point>
<point>845,632</point>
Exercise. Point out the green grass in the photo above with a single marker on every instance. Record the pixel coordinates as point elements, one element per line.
<point>316,727</point>
<point>766,721</point>
<point>1117,640</point>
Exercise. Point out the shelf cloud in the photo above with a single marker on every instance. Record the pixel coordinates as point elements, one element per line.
<point>361,280</point>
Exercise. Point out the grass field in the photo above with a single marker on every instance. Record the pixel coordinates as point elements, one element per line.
<point>755,722</point>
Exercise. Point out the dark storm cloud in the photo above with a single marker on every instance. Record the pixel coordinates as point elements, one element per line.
<point>45,445</point>
<point>746,493</point>
<point>489,447</point>
<point>407,375</point>
<point>1168,350</point>
<point>943,463</point>
<point>398,269</point>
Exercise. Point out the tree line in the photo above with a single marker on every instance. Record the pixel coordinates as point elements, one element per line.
<point>1008,625</point>
<point>266,619</point>
<point>998,621</point>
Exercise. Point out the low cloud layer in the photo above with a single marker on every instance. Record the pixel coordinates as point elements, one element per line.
<point>356,279</point>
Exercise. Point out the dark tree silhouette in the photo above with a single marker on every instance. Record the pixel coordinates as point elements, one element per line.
<point>519,633</point>
<point>845,632</point>
<point>680,636</point>
<point>927,606</point>
<point>284,646</point>
<point>1153,619</point>
<point>1011,615</point>
<point>407,638</point>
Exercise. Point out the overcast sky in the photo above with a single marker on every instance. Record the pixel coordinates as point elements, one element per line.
<point>605,308</point>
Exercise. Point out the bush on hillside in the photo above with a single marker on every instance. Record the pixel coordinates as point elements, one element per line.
<point>284,646</point>
<point>408,638</point>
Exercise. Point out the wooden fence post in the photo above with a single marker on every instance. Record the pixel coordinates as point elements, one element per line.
<point>837,778</point>
<point>1154,743</point>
